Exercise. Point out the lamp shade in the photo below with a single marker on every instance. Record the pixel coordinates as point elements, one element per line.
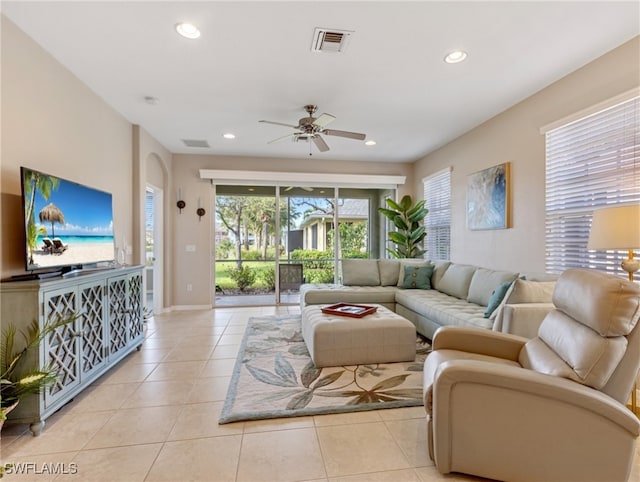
<point>615,228</point>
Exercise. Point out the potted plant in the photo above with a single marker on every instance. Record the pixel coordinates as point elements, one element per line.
<point>410,232</point>
<point>17,377</point>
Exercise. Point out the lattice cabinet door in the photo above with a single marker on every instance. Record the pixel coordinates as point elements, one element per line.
<point>136,321</point>
<point>93,344</point>
<point>62,347</point>
<point>118,314</point>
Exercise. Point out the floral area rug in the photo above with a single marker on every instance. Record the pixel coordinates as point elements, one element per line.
<point>274,377</point>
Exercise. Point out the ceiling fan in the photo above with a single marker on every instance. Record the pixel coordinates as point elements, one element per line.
<point>309,129</point>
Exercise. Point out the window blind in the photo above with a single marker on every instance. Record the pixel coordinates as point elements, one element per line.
<point>437,196</point>
<point>591,163</point>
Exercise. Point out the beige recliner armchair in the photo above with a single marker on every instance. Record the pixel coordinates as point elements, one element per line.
<point>548,408</point>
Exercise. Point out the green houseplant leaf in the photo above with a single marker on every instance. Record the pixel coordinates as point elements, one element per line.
<point>17,378</point>
<point>410,233</point>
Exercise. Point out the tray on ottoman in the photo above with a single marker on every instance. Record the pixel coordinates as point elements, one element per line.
<point>337,340</point>
<point>348,309</point>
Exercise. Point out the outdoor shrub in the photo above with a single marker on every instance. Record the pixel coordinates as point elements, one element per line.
<point>243,276</point>
<point>251,255</point>
<point>224,248</point>
<point>268,277</point>
<point>354,255</point>
<point>319,275</point>
<point>312,259</point>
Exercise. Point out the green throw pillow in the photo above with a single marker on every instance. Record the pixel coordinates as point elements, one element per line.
<point>496,297</point>
<point>417,277</point>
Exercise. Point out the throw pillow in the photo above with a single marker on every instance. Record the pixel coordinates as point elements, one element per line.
<point>497,297</point>
<point>417,277</point>
<point>416,262</point>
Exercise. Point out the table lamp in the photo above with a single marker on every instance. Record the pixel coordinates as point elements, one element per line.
<point>617,228</point>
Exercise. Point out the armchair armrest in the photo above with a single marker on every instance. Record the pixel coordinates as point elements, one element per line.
<point>523,319</point>
<point>538,385</point>
<point>519,416</point>
<point>480,341</point>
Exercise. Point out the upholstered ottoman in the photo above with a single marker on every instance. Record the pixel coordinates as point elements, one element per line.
<point>380,337</point>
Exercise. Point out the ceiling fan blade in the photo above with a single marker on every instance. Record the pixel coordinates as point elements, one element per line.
<point>348,135</point>
<point>282,138</point>
<point>320,144</point>
<point>324,120</point>
<point>279,124</point>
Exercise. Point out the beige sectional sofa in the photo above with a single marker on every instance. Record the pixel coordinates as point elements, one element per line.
<point>442,293</point>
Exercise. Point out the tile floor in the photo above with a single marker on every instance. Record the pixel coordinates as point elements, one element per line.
<point>154,418</point>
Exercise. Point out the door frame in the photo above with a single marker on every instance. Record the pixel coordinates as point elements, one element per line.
<point>158,246</point>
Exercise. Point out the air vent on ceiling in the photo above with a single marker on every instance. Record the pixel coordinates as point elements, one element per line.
<point>195,143</point>
<point>330,40</point>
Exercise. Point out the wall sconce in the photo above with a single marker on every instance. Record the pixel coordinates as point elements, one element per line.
<point>181,204</point>
<point>200,211</point>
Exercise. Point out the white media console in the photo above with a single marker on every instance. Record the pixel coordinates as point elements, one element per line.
<point>110,326</point>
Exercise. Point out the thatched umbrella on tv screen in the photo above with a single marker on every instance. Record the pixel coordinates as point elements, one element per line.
<point>51,214</point>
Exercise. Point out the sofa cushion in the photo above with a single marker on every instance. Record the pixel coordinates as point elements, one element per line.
<point>443,309</point>
<point>456,280</point>
<point>317,294</point>
<point>524,291</point>
<point>484,282</point>
<point>417,277</point>
<point>360,272</point>
<point>438,272</point>
<point>410,262</point>
<point>389,271</point>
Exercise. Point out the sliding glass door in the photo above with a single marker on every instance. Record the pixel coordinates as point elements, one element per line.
<point>246,246</point>
<point>269,240</point>
<point>310,250</point>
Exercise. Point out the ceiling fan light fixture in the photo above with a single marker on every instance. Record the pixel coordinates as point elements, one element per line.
<point>370,143</point>
<point>312,128</point>
<point>455,56</point>
<point>188,30</point>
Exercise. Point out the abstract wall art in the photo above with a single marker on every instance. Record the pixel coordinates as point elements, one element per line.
<point>488,198</point>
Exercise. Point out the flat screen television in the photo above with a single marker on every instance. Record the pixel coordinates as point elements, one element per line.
<point>67,225</point>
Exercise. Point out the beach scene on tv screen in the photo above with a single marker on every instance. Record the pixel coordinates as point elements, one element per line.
<point>66,223</point>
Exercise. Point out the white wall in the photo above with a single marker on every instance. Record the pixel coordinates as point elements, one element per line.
<point>514,136</point>
<point>52,122</point>
<point>153,164</point>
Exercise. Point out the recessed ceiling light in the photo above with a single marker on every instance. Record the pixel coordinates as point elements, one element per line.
<point>370,143</point>
<point>188,30</point>
<point>455,56</point>
<point>149,99</point>
<point>251,189</point>
<point>229,135</point>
